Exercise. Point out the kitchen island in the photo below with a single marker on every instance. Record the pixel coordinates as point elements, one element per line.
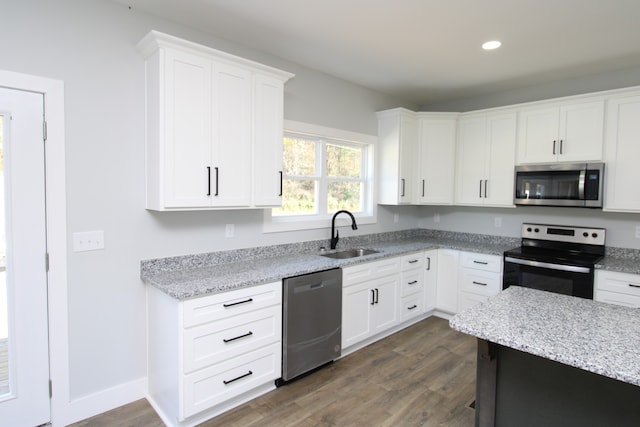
<point>546,359</point>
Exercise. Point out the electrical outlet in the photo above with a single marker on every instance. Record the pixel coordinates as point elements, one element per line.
<point>497,222</point>
<point>637,231</point>
<point>88,241</point>
<point>436,217</point>
<point>229,231</point>
<point>396,218</point>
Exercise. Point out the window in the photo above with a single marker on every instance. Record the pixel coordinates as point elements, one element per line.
<point>324,170</point>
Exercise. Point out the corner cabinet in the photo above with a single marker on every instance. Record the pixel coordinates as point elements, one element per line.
<point>485,160</point>
<point>567,132</point>
<point>214,127</point>
<point>209,354</point>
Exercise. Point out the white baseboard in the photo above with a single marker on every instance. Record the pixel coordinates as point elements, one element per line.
<point>105,400</point>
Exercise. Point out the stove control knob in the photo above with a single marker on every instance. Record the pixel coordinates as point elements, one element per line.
<point>594,235</point>
<point>529,229</point>
<point>585,234</point>
<point>537,230</point>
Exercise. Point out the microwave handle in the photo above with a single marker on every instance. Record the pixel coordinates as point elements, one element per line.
<point>581,181</point>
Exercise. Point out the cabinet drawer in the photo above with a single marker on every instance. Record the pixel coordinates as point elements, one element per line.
<point>413,261</point>
<point>618,282</point>
<point>481,261</point>
<point>208,387</point>
<point>411,282</point>
<point>370,270</point>
<point>468,300</point>
<point>480,282</point>
<point>617,298</point>
<point>213,342</point>
<point>215,307</point>
<point>411,306</point>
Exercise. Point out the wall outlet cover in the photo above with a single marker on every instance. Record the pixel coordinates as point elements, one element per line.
<point>88,241</point>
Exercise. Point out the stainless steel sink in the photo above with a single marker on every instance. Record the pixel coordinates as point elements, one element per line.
<point>350,253</point>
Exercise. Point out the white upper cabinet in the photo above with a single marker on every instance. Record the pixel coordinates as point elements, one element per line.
<point>485,159</point>
<point>214,127</point>
<point>622,152</point>
<point>566,132</point>
<point>435,168</point>
<point>397,140</point>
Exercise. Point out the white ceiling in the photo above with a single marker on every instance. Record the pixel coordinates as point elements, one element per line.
<point>426,51</point>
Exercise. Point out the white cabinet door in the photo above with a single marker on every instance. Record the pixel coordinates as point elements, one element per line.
<point>622,152</point>
<point>267,141</point>
<point>357,301</point>
<point>397,139</point>
<point>470,164</point>
<point>430,279</point>
<point>501,138</point>
<point>231,136</point>
<point>385,309</point>
<point>569,132</point>
<point>435,171</point>
<point>447,274</point>
<point>185,160</point>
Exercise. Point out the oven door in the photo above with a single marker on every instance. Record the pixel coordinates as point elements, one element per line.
<point>561,279</point>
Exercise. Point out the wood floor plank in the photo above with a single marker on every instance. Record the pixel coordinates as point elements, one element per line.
<point>421,376</point>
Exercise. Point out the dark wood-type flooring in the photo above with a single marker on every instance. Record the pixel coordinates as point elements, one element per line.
<point>421,376</point>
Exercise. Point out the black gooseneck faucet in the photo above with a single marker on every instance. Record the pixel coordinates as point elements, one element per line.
<point>334,233</point>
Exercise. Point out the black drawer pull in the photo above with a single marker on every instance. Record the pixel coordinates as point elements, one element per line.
<point>479,283</point>
<point>237,378</point>
<point>412,283</point>
<point>236,303</point>
<point>413,261</point>
<point>634,286</point>
<point>373,296</point>
<point>480,262</point>
<point>248,334</point>
<point>412,307</point>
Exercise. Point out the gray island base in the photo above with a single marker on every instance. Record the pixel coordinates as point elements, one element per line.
<point>552,360</point>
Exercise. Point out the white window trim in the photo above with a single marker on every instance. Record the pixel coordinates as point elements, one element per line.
<point>273,224</point>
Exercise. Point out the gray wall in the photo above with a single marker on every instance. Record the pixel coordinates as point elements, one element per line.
<point>90,45</point>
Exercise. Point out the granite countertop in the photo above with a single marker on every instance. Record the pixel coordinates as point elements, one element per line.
<point>596,337</point>
<point>188,277</point>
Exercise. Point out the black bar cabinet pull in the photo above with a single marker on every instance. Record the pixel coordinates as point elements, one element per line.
<point>216,168</point>
<point>412,283</point>
<point>561,147</point>
<point>480,190</point>
<point>237,378</point>
<point>634,286</point>
<point>480,262</point>
<point>248,334</point>
<point>280,195</point>
<point>412,307</point>
<point>237,303</point>
<point>554,146</point>
<point>413,261</point>
<point>486,182</point>
<point>402,180</point>
<point>423,188</point>
<point>428,263</point>
<point>208,180</point>
<point>373,296</point>
<point>479,283</point>
<point>377,295</point>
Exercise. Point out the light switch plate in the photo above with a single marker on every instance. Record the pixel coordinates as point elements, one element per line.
<point>637,231</point>
<point>88,241</point>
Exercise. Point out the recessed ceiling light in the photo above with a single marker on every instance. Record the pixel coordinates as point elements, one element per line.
<point>494,44</point>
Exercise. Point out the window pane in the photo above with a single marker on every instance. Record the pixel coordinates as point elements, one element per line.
<point>344,161</point>
<point>299,156</point>
<point>344,195</point>
<point>298,198</point>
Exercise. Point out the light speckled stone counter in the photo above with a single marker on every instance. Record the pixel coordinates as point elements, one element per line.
<point>621,260</point>
<point>203,274</point>
<point>593,336</point>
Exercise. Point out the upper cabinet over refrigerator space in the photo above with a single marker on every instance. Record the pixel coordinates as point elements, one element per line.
<point>214,127</point>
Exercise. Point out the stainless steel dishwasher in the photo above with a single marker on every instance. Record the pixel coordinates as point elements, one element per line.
<point>311,322</point>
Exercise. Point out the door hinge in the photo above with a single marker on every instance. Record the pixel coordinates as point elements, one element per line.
<point>44,131</point>
<point>50,389</point>
<point>46,262</point>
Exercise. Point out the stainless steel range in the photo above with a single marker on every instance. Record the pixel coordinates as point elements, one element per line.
<point>555,258</point>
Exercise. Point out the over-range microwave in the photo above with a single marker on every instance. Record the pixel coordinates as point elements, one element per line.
<point>560,184</point>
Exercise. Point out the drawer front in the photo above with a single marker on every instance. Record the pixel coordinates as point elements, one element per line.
<point>412,261</point>
<point>219,306</point>
<point>618,282</point>
<point>412,306</point>
<point>412,282</point>
<point>468,300</point>
<point>211,343</point>
<point>480,282</point>
<point>617,298</point>
<point>211,386</point>
<point>481,261</point>
<point>370,270</point>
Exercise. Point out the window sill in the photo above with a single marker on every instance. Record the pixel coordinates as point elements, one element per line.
<point>272,224</point>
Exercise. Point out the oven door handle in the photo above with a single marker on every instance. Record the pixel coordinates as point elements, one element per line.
<point>570,268</point>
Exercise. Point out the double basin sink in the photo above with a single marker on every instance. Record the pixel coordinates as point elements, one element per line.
<point>350,253</point>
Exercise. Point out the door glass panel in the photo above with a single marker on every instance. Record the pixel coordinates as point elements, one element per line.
<point>4,314</point>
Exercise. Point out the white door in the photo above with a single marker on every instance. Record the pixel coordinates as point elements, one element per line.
<point>24,358</point>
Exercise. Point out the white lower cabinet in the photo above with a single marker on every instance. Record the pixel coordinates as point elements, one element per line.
<point>369,299</point>
<point>447,281</point>
<point>412,286</point>
<point>480,278</point>
<point>430,279</point>
<point>209,354</point>
<point>617,288</point>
